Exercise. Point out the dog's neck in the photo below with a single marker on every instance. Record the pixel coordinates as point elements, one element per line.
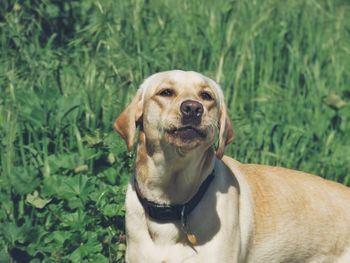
<point>167,175</point>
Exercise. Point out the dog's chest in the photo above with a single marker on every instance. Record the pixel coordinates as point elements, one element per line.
<point>165,233</point>
<point>152,241</point>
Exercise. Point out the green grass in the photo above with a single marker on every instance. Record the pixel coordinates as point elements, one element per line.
<point>67,68</point>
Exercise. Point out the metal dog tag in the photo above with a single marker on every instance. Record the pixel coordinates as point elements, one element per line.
<point>190,236</point>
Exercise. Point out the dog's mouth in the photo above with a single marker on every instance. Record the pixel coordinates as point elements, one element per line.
<point>187,133</point>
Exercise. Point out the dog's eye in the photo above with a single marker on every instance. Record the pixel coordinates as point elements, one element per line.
<point>206,96</point>
<point>166,93</point>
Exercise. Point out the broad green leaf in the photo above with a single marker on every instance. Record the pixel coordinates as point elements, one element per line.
<point>334,101</point>
<point>52,184</point>
<point>58,237</point>
<point>87,249</point>
<point>4,255</point>
<point>67,161</point>
<point>75,189</point>
<point>74,220</point>
<point>81,169</point>
<point>12,233</point>
<point>23,180</point>
<point>36,201</point>
<point>110,210</point>
<point>95,138</point>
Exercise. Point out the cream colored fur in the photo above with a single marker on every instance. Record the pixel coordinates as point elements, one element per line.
<point>250,213</point>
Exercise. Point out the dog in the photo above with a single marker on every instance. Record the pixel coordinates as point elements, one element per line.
<point>187,202</point>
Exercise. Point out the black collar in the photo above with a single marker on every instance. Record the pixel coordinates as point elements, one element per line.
<point>165,212</point>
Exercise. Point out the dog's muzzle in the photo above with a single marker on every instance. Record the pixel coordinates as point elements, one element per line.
<point>190,130</point>
<point>192,112</point>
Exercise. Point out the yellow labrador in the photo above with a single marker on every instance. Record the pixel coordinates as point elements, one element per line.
<point>189,203</point>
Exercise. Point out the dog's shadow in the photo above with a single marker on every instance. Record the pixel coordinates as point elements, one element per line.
<point>205,223</point>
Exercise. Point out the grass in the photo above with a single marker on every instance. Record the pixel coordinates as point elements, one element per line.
<point>67,68</point>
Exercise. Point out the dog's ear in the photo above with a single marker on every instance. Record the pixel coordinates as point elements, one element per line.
<point>226,134</point>
<point>125,124</point>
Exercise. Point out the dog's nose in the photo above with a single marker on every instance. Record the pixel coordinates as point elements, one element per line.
<point>192,112</point>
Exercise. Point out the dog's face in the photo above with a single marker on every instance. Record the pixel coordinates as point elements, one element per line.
<point>183,109</point>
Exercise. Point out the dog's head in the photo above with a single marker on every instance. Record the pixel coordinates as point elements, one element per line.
<point>180,108</point>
